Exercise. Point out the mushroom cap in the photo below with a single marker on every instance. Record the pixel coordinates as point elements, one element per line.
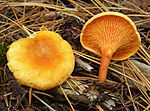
<point>43,62</point>
<point>111,30</point>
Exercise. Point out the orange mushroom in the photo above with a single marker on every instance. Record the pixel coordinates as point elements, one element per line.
<point>111,35</point>
<point>42,62</point>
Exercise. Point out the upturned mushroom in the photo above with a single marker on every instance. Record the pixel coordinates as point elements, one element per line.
<point>42,62</point>
<point>111,35</point>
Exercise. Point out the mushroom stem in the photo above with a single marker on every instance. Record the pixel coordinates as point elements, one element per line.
<point>105,61</point>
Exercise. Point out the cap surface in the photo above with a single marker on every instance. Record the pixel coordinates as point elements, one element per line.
<point>43,62</point>
<point>111,30</point>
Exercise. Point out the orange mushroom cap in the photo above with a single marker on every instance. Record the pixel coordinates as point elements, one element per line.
<point>42,62</point>
<point>111,35</point>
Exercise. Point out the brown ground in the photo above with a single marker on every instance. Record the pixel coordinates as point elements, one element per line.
<point>128,85</point>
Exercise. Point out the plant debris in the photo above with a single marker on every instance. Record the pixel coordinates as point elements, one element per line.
<point>128,82</point>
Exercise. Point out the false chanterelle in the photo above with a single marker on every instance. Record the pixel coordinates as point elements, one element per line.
<point>111,35</point>
<point>42,62</point>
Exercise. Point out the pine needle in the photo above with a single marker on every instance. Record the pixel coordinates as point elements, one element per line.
<point>67,98</point>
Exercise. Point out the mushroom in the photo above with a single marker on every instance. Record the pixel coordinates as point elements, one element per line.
<point>42,62</point>
<point>111,35</point>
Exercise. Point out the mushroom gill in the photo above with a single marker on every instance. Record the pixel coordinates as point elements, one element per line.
<point>111,35</point>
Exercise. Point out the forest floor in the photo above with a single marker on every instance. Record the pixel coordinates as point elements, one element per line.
<point>128,81</point>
